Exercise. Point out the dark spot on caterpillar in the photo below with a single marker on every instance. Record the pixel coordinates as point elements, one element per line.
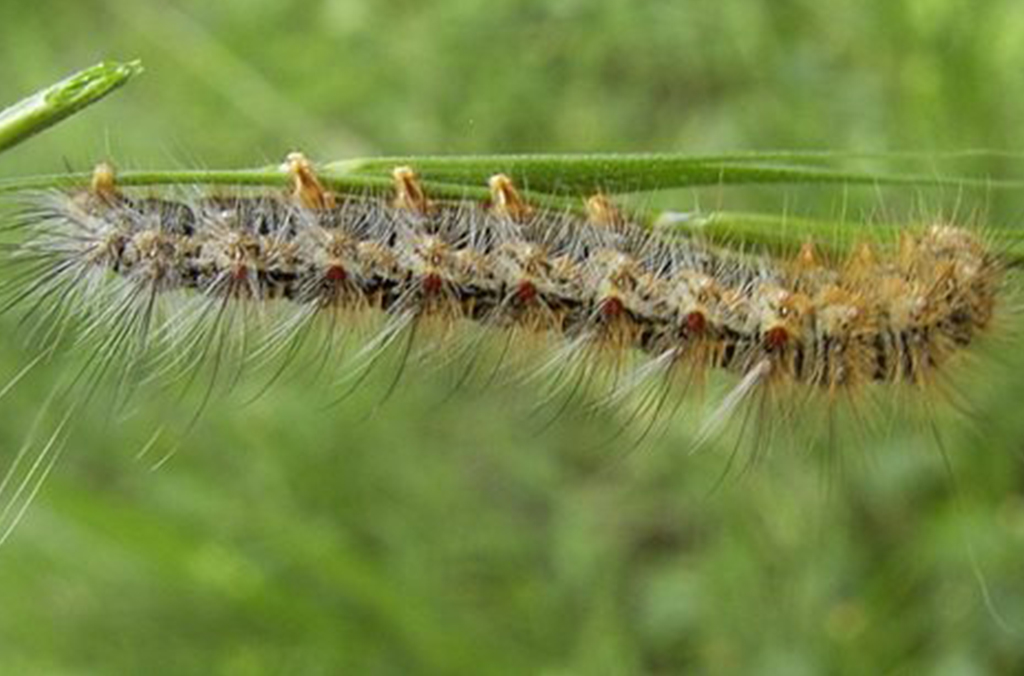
<point>612,307</point>
<point>336,274</point>
<point>881,359</point>
<point>728,354</point>
<point>526,292</point>
<point>696,322</point>
<point>905,339</point>
<point>959,326</point>
<point>798,362</point>
<point>431,283</point>
<point>649,338</point>
<point>776,338</point>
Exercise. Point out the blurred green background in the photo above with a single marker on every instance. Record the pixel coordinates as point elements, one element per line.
<point>441,536</point>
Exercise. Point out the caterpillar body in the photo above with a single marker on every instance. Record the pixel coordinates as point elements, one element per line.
<point>161,279</point>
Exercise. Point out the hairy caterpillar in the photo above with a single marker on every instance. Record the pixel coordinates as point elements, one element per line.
<point>153,285</point>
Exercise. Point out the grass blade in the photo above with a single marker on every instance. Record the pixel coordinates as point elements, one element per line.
<point>49,106</point>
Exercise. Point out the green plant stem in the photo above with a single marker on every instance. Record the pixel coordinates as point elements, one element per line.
<point>57,102</point>
<point>273,177</point>
<point>623,173</point>
<point>562,175</point>
<point>785,234</point>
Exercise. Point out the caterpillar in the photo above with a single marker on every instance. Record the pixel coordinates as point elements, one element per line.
<point>155,284</point>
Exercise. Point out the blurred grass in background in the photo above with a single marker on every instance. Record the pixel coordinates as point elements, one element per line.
<point>287,537</point>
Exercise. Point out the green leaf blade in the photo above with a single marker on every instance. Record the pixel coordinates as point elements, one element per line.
<point>59,101</point>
